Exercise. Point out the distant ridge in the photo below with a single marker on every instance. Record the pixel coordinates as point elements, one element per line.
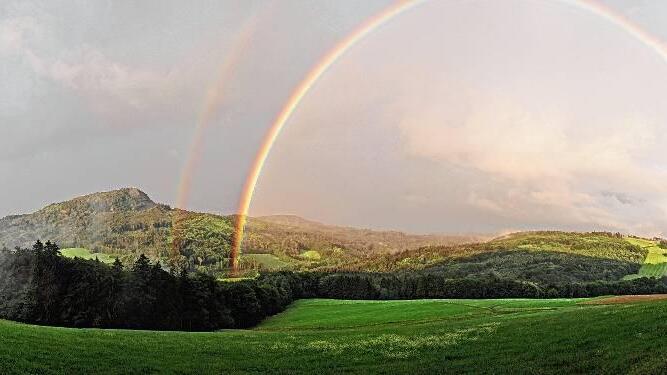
<point>127,222</point>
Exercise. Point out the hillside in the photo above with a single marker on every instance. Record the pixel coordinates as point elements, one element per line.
<point>125,223</point>
<point>296,235</point>
<point>547,257</point>
<point>407,337</point>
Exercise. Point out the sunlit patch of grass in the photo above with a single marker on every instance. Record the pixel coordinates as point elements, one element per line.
<point>391,346</point>
<point>655,264</point>
<point>78,252</point>
<point>311,255</point>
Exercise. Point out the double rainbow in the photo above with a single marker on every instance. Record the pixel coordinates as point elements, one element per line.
<point>335,53</point>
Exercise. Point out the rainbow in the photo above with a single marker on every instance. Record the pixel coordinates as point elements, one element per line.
<point>215,96</point>
<point>335,53</point>
<point>297,95</point>
<point>619,19</point>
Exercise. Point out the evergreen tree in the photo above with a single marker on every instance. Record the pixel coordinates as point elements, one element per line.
<point>142,267</point>
<point>51,249</point>
<point>38,247</point>
<point>117,267</point>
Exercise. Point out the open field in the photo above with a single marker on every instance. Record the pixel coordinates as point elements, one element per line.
<point>655,264</point>
<point>655,255</point>
<point>77,252</point>
<point>311,255</point>
<point>326,336</point>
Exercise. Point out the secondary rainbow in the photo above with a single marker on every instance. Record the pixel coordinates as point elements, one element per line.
<point>349,41</point>
<point>215,96</point>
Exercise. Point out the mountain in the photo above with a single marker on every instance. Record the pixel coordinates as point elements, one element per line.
<point>126,223</point>
<point>96,221</point>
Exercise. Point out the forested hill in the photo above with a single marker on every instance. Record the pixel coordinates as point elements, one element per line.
<point>296,235</point>
<point>517,251</point>
<point>126,223</point>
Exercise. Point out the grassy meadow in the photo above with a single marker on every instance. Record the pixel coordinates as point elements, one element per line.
<point>311,255</point>
<point>327,336</point>
<point>77,252</point>
<point>655,264</point>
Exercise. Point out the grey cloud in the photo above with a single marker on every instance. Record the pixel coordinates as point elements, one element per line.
<point>623,198</point>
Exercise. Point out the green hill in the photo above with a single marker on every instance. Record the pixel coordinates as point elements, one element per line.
<point>594,244</point>
<point>125,223</point>
<point>598,245</point>
<point>541,257</point>
<point>331,337</point>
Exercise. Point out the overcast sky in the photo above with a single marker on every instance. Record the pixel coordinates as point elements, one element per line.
<point>456,116</point>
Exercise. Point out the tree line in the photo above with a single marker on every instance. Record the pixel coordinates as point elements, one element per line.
<point>419,285</point>
<point>40,286</point>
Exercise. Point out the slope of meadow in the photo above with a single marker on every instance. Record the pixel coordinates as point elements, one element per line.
<point>74,252</point>
<point>324,336</point>
<point>655,264</point>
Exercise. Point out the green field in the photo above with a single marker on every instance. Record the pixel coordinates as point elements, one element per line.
<point>655,264</point>
<point>77,252</point>
<point>325,336</point>
<point>311,255</point>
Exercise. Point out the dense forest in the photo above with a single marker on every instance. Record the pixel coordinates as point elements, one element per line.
<point>40,286</point>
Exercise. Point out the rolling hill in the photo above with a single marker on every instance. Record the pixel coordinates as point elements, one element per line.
<point>542,257</point>
<point>126,222</point>
<point>598,245</point>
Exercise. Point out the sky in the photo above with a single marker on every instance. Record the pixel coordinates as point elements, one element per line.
<point>453,117</point>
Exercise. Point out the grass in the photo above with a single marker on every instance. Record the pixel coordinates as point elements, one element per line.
<point>588,244</point>
<point>322,313</point>
<point>324,336</point>
<point>653,270</point>
<point>311,255</point>
<point>78,252</point>
<point>655,264</point>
